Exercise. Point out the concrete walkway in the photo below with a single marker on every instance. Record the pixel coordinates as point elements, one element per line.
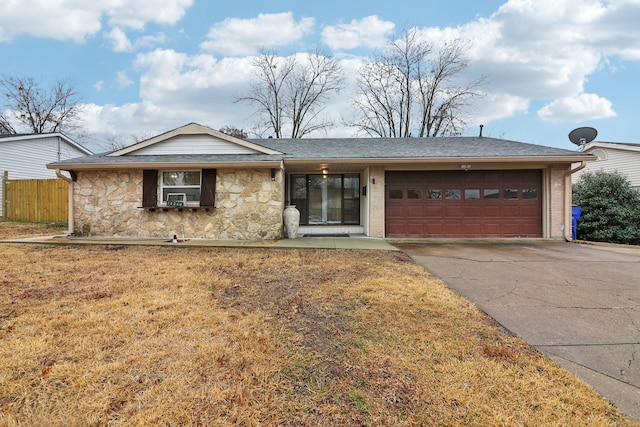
<point>577,303</point>
<point>353,242</point>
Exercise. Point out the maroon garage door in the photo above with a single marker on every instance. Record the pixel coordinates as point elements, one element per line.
<point>464,204</point>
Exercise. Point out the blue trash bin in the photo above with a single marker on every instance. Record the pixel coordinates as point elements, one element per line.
<point>576,212</point>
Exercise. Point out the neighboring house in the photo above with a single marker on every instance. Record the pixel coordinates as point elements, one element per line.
<point>26,156</point>
<point>613,156</point>
<point>210,185</point>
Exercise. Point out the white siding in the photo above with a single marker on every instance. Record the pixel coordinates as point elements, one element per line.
<point>193,144</point>
<point>625,162</point>
<point>27,159</point>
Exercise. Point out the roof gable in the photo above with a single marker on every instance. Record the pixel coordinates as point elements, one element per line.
<point>623,146</point>
<point>37,137</point>
<point>192,139</point>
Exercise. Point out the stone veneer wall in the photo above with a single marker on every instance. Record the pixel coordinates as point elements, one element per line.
<point>249,206</point>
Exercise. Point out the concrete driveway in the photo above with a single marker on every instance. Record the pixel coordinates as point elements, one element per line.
<point>577,303</point>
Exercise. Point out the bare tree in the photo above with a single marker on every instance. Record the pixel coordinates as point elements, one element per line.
<point>290,93</point>
<point>36,110</point>
<point>234,131</point>
<point>415,90</point>
<point>5,125</point>
<point>116,142</point>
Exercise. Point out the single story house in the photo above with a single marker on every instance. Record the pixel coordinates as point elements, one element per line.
<point>26,156</point>
<point>202,183</point>
<point>613,157</point>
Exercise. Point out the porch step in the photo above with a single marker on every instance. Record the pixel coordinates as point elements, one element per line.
<point>327,235</point>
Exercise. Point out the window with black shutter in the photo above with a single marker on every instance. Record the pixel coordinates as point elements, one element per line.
<point>178,189</point>
<point>208,190</point>
<point>149,188</point>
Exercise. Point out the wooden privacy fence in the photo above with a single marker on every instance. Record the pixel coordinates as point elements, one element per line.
<point>35,200</point>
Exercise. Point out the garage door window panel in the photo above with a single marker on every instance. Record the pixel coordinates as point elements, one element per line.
<point>453,194</point>
<point>434,194</point>
<point>510,194</point>
<point>414,194</point>
<point>491,194</point>
<point>472,194</point>
<point>395,194</point>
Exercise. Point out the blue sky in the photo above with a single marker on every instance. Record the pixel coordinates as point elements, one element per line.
<point>148,66</point>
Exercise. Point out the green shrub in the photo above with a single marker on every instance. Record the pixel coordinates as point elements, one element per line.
<point>610,208</point>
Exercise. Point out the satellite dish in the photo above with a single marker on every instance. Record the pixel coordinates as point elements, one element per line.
<point>582,136</point>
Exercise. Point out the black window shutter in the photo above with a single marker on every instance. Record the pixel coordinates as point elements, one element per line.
<point>208,188</point>
<point>149,188</point>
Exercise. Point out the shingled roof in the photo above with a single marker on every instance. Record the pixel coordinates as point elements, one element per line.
<point>378,150</point>
<point>402,148</point>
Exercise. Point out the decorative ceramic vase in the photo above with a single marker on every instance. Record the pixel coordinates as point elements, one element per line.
<point>291,221</point>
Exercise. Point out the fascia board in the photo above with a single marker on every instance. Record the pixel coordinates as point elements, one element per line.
<point>163,165</point>
<point>447,160</point>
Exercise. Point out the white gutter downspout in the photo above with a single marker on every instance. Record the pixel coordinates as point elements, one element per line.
<point>71,213</point>
<point>567,201</point>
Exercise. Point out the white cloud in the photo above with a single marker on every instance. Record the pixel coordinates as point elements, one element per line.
<point>547,49</point>
<point>150,40</point>
<point>176,88</point>
<point>123,80</point>
<point>99,85</point>
<point>494,105</point>
<point>57,20</point>
<point>74,20</point>
<point>119,40</point>
<point>616,30</point>
<point>370,32</point>
<point>534,52</point>
<point>136,14</point>
<point>121,43</point>
<point>170,77</point>
<point>235,36</point>
<point>586,106</point>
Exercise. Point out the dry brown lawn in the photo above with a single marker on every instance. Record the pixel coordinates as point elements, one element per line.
<point>175,336</point>
<point>17,230</point>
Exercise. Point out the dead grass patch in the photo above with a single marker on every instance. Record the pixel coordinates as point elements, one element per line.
<point>220,337</point>
<point>18,230</point>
